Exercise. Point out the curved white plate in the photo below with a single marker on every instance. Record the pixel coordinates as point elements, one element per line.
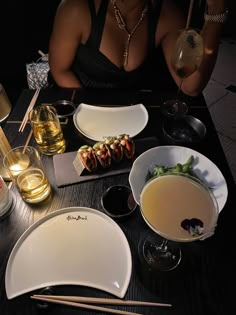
<point>71,246</point>
<point>98,122</point>
<point>169,156</point>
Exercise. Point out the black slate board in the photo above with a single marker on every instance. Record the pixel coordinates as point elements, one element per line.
<point>66,174</point>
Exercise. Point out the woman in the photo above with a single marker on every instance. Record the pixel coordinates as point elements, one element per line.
<point>111,43</point>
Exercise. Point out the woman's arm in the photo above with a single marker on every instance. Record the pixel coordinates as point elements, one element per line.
<point>65,38</point>
<point>211,33</point>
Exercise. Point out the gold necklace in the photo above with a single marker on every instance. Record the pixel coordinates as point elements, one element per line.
<point>122,25</point>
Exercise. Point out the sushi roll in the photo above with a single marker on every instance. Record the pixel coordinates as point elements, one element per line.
<point>103,154</point>
<point>127,144</point>
<point>115,148</point>
<point>88,158</point>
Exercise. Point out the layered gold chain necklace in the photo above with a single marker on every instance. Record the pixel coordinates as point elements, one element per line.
<point>122,25</point>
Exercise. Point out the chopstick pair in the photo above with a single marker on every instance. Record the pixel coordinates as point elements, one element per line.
<point>30,107</point>
<point>80,302</point>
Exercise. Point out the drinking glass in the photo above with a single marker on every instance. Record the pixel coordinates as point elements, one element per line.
<point>6,199</point>
<point>47,130</point>
<point>186,58</point>
<point>25,167</point>
<point>178,208</point>
<point>5,104</point>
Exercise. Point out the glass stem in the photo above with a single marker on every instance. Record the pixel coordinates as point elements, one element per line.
<point>179,88</point>
<point>163,245</point>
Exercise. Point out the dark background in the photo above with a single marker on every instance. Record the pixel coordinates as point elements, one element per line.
<point>26,26</point>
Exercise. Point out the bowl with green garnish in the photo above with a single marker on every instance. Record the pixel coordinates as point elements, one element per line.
<point>175,159</point>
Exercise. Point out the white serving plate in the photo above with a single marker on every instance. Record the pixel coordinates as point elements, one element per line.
<point>169,156</point>
<point>96,122</point>
<point>70,246</point>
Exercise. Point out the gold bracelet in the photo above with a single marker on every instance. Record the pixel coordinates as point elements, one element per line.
<point>216,18</point>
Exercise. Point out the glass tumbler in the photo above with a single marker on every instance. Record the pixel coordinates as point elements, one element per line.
<point>6,199</point>
<point>25,167</point>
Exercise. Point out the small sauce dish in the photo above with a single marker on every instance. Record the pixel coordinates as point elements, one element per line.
<point>64,108</point>
<point>118,201</point>
<point>188,130</point>
<point>41,305</point>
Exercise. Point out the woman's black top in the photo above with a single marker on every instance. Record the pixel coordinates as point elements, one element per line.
<point>95,70</point>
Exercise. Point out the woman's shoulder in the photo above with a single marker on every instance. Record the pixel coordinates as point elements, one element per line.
<point>78,5</point>
<point>73,5</point>
<point>73,12</point>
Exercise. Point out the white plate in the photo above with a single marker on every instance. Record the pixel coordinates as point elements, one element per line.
<point>96,122</point>
<point>169,156</point>
<point>71,246</point>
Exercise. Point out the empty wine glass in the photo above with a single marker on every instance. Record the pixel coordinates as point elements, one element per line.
<point>186,58</point>
<point>178,208</point>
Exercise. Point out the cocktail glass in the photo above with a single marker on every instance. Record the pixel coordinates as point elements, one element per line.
<point>185,60</point>
<point>178,208</point>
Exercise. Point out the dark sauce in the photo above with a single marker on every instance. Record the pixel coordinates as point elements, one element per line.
<point>64,108</point>
<point>118,201</point>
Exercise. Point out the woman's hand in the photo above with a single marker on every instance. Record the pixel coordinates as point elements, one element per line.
<point>211,33</point>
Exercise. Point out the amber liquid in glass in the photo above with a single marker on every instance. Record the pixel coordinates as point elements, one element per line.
<point>49,137</point>
<point>168,200</point>
<point>187,54</point>
<point>33,185</point>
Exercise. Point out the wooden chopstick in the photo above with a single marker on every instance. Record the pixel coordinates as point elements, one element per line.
<point>190,10</point>
<point>28,140</point>
<point>4,143</point>
<point>14,121</point>
<point>85,306</point>
<point>5,146</point>
<point>83,299</point>
<point>31,105</point>
<point>73,95</point>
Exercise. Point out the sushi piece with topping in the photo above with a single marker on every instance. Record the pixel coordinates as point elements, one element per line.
<point>127,144</point>
<point>88,158</point>
<point>115,148</point>
<point>111,149</point>
<point>103,154</point>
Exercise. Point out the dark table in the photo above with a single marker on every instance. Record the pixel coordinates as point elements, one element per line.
<point>201,284</point>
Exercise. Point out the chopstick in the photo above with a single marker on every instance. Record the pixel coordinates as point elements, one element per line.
<point>31,105</point>
<point>190,10</point>
<point>85,306</point>
<point>82,299</point>
<point>73,95</point>
<point>4,143</point>
<point>28,140</point>
<point>5,146</point>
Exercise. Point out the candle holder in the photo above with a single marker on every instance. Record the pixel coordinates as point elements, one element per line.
<point>26,170</point>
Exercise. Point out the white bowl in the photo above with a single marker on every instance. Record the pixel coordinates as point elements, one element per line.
<point>169,156</point>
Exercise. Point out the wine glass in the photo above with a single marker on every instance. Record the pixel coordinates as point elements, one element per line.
<point>186,58</point>
<point>178,208</point>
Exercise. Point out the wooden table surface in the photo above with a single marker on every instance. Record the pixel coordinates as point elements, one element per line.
<point>204,281</point>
